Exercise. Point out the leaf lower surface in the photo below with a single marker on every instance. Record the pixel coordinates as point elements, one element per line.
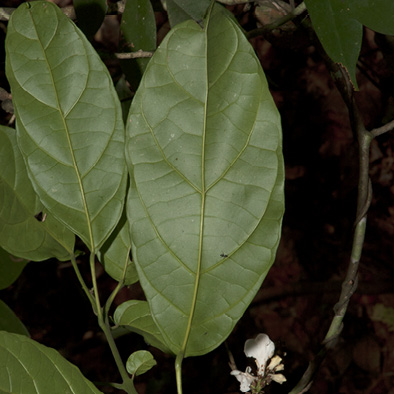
<point>205,205</point>
<point>29,367</point>
<point>21,233</point>
<point>69,121</point>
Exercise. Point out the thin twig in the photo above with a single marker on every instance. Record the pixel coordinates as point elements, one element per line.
<point>5,13</point>
<point>134,55</point>
<point>383,129</point>
<point>344,84</point>
<point>278,23</point>
<point>234,2</point>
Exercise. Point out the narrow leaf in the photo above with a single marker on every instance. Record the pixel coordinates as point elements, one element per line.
<point>69,120</point>
<point>29,367</point>
<point>138,26</point>
<point>135,315</point>
<point>140,362</point>
<point>206,202</point>
<point>9,321</point>
<point>25,229</point>
<point>10,268</point>
<point>338,31</point>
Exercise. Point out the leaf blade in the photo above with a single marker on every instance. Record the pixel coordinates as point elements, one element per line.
<point>76,165</point>
<point>204,162</point>
<point>21,233</point>
<point>338,31</point>
<point>31,367</point>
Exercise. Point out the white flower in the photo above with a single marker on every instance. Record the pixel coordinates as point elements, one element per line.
<point>245,378</point>
<point>262,349</point>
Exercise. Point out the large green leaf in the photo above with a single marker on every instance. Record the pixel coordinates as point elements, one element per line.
<point>29,367</point>
<point>376,14</point>
<point>69,121</point>
<point>21,233</point>
<point>10,268</point>
<point>206,201</point>
<point>9,321</point>
<point>338,31</point>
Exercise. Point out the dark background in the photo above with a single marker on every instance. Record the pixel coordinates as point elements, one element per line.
<point>294,306</point>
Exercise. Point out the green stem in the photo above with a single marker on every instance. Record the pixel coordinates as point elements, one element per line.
<point>127,384</point>
<point>349,285</point>
<point>178,372</point>
<point>96,296</point>
<point>83,284</point>
<point>102,318</point>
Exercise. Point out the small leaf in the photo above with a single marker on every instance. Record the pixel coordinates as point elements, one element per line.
<point>10,268</point>
<point>205,205</point>
<point>9,321</point>
<point>21,233</point>
<point>115,254</point>
<point>90,15</point>
<point>69,121</point>
<point>29,367</point>
<point>140,362</point>
<point>136,316</point>
<point>338,31</point>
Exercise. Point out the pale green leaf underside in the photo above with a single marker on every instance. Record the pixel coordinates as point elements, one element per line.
<point>114,255</point>
<point>140,362</point>
<point>204,148</point>
<point>29,367</point>
<point>21,234</point>
<point>338,31</point>
<point>69,120</point>
<point>136,317</point>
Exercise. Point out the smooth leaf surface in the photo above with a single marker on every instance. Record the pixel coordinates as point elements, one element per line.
<point>338,31</point>
<point>10,268</point>
<point>140,362</point>
<point>10,322</point>
<point>206,203</point>
<point>136,316</point>
<point>90,15</point>
<point>29,367</point>
<point>114,255</point>
<point>183,10</point>
<point>375,14</point>
<point>138,26</point>
<point>69,121</point>
<point>21,233</point>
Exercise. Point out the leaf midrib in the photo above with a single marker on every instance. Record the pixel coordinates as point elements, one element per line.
<point>78,175</point>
